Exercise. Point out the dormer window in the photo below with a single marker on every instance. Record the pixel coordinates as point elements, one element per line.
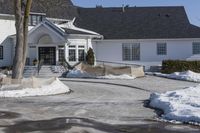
<point>35,18</point>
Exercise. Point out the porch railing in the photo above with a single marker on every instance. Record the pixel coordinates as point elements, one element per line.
<point>40,63</point>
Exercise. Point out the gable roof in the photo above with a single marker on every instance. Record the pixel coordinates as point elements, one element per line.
<point>62,9</point>
<point>138,22</point>
<point>118,23</point>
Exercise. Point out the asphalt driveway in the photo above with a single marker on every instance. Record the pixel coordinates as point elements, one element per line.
<point>113,102</point>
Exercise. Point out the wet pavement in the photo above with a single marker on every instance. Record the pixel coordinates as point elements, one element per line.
<point>82,125</point>
<point>95,106</point>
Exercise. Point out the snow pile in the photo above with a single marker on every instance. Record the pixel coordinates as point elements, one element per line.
<point>58,69</point>
<point>53,88</point>
<point>124,76</point>
<point>76,73</point>
<point>2,75</point>
<point>194,58</point>
<point>187,76</point>
<point>181,105</point>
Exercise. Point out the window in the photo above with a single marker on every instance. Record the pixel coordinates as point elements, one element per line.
<point>1,52</point>
<point>196,48</point>
<point>72,46</point>
<point>61,53</point>
<point>76,53</point>
<point>81,53</point>
<point>136,52</point>
<point>126,52</point>
<point>131,52</point>
<point>161,49</point>
<point>35,19</point>
<point>72,53</point>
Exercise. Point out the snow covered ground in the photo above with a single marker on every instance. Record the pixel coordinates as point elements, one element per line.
<point>82,74</point>
<point>180,105</point>
<point>186,76</point>
<point>2,75</point>
<point>124,76</point>
<point>53,88</point>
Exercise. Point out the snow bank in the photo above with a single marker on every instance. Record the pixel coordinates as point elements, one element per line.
<point>187,76</point>
<point>55,87</point>
<point>194,58</point>
<point>181,105</point>
<point>76,73</point>
<point>2,75</point>
<point>124,76</point>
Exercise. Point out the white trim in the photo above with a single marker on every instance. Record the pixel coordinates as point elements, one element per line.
<point>49,28</point>
<point>34,28</point>
<point>57,19</point>
<point>140,40</point>
<point>81,35</point>
<point>70,25</point>
<point>63,39</point>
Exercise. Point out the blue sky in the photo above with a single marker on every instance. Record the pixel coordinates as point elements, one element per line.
<point>192,6</point>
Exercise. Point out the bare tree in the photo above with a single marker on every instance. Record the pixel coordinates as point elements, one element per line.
<point>22,11</point>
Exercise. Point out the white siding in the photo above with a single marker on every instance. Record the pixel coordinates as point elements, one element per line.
<point>7,27</point>
<point>41,31</point>
<point>7,55</point>
<point>112,51</point>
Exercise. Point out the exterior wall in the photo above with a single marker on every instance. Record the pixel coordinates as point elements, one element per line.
<point>112,51</point>
<point>7,52</point>
<point>7,28</point>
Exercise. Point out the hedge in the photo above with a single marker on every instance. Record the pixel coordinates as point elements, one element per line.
<point>170,66</point>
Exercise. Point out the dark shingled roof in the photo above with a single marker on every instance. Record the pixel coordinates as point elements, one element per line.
<point>116,23</point>
<point>63,9</point>
<point>71,31</point>
<point>138,22</point>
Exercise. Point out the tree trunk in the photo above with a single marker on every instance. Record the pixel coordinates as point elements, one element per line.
<point>25,24</point>
<point>18,59</point>
<point>21,24</point>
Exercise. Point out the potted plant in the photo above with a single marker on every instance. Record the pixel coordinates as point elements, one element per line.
<point>35,62</point>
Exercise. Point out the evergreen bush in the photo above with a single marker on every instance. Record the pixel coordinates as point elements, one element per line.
<point>90,57</point>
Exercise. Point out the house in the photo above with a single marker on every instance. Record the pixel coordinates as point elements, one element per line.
<point>129,35</point>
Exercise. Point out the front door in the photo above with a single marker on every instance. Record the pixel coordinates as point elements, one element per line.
<point>48,55</point>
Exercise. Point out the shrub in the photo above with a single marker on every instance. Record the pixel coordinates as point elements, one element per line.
<point>90,57</point>
<point>170,66</point>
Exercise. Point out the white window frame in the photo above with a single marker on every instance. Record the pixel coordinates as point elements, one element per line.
<point>72,47</point>
<point>132,51</point>
<point>81,47</point>
<point>76,48</point>
<point>195,48</point>
<point>161,48</point>
<point>61,48</point>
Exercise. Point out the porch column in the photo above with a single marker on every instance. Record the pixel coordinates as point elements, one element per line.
<point>66,52</point>
<point>57,55</point>
<point>76,53</point>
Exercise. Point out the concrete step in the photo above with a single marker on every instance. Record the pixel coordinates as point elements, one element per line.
<point>30,71</point>
<point>45,71</point>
